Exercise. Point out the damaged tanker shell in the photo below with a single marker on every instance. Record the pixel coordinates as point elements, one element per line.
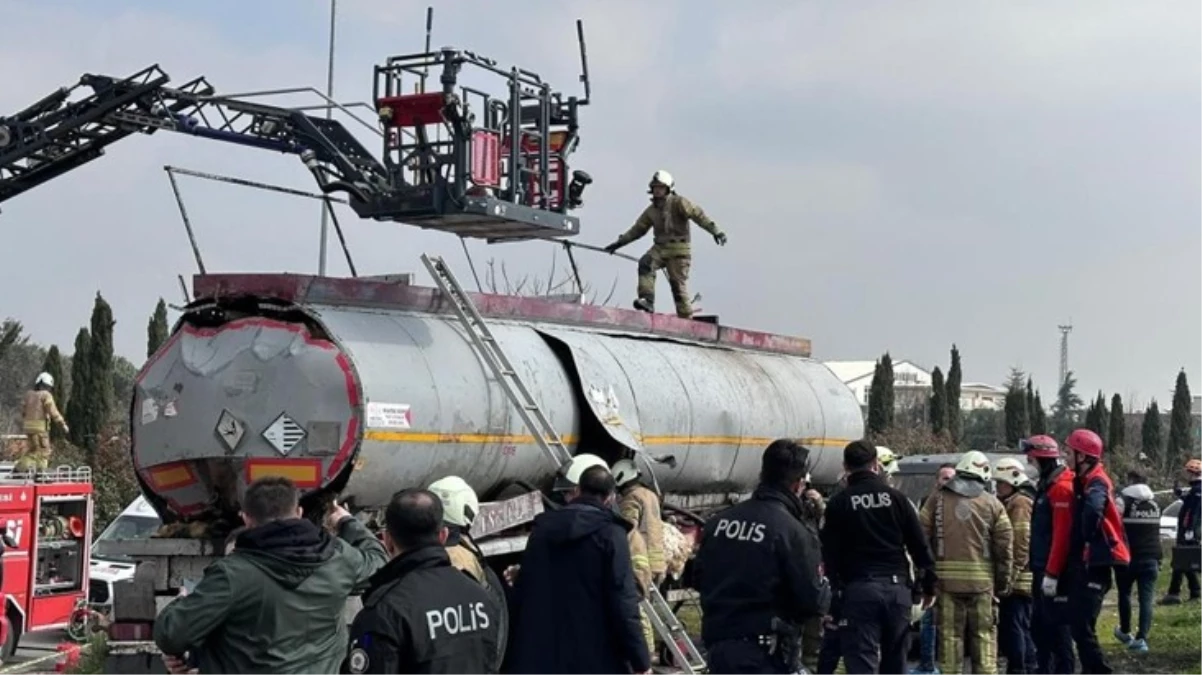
<point>364,401</point>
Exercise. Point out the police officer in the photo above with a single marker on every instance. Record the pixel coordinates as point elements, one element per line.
<point>420,614</point>
<point>869,530</point>
<point>758,572</point>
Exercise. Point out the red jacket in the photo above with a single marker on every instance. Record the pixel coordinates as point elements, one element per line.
<point>1099,521</point>
<point>1052,523</point>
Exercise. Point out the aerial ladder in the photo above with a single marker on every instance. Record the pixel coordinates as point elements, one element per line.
<point>664,621</point>
<point>455,159</point>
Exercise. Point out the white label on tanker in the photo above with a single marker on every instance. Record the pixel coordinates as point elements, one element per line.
<point>169,409</point>
<point>389,416</point>
<point>150,410</point>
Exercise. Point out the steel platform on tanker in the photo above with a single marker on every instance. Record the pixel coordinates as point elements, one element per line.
<point>303,289</point>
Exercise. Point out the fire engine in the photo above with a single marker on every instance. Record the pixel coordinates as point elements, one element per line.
<point>48,515</point>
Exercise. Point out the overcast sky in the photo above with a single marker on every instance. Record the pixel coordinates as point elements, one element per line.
<point>893,176</point>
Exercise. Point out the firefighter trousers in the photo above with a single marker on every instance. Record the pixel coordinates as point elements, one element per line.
<point>1088,588</point>
<point>36,454</point>
<point>967,618</point>
<point>677,267</point>
<point>1050,632</point>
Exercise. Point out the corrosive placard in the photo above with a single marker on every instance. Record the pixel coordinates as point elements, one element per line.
<point>388,416</point>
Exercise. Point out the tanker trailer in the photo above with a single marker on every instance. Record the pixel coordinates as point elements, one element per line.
<point>359,388</point>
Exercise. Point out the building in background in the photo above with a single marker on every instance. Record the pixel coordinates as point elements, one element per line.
<point>912,385</point>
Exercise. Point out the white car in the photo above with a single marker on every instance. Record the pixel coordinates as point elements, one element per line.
<point>1168,521</point>
<point>138,521</point>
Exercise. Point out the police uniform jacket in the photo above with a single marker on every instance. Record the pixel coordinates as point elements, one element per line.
<point>421,615</point>
<point>869,529</point>
<point>758,561</point>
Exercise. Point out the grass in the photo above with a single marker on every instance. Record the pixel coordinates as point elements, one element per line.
<point>1175,642</point>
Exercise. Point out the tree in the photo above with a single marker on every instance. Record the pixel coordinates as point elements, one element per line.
<point>1030,400</point>
<point>1118,425</point>
<point>156,329</point>
<point>880,397</point>
<point>1017,424</point>
<point>100,368</point>
<point>53,365</point>
<point>1150,434</point>
<point>1180,431</point>
<point>1068,404</point>
<point>954,378</point>
<point>1039,417</point>
<point>10,335</point>
<point>1097,419</point>
<point>938,407</point>
<point>79,408</point>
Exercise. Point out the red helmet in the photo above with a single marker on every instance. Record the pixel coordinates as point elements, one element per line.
<point>1039,447</point>
<point>1085,442</point>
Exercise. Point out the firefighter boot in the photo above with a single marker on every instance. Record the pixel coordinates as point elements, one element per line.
<point>645,304</point>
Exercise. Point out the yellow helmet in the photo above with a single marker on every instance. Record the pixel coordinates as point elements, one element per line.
<point>459,502</point>
<point>887,459</point>
<point>1010,471</point>
<point>974,463</point>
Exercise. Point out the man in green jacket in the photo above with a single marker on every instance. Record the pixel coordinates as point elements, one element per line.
<point>275,603</point>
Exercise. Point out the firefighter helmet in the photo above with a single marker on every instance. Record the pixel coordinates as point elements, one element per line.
<point>887,459</point>
<point>663,178</point>
<point>1040,447</point>
<point>625,471</point>
<point>1010,471</point>
<point>974,464</point>
<point>579,464</point>
<point>1085,442</point>
<point>46,379</point>
<point>459,502</point>
<point>1194,467</point>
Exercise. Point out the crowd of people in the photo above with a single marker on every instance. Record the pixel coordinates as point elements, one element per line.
<point>990,561</point>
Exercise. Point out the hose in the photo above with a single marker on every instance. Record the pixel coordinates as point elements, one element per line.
<point>684,512</point>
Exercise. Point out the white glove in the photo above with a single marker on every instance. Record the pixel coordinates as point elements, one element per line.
<point>1049,587</point>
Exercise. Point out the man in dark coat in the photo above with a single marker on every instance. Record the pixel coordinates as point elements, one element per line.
<point>576,607</point>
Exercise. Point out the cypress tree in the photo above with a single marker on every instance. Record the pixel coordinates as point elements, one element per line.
<point>887,397</point>
<point>1030,401</point>
<point>880,397</point>
<point>1118,425</point>
<point>1039,417</point>
<point>1180,432</point>
<point>100,367</point>
<point>156,329</point>
<point>78,407</point>
<point>1017,424</point>
<point>1101,425</point>
<point>1068,404</point>
<point>1150,434</point>
<point>53,364</point>
<point>954,379</point>
<point>938,403</point>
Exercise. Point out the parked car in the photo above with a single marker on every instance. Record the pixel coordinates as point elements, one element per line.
<point>138,521</point>
<point>1168,521</point>
<point>915,475</point>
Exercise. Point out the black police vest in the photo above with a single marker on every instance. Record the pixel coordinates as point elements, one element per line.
<point>1141,520</point>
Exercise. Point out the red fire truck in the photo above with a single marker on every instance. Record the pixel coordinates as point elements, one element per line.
<point>48,515</point>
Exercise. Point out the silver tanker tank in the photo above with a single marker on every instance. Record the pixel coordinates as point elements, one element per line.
<point>363,388</point>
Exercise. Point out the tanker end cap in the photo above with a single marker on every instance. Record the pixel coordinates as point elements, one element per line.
<point>569,474</point>
<point>459,501</point>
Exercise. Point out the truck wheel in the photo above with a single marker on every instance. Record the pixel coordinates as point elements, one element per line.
<point>497,590</point>
<point>10,639</point>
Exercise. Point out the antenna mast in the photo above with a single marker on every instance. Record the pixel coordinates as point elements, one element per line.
<point>1065,329</point>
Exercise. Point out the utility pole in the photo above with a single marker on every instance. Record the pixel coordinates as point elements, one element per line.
<point>325,207</point>
<point>1065,329</point>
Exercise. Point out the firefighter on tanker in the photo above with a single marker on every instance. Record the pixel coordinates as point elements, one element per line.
<point>38,411</point>
<point>1017,493</point>
<point>972,539</point>
<point>668,219</point>
<point>1051,529</point>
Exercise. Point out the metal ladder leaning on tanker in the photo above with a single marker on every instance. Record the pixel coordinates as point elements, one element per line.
<point>663,619</point>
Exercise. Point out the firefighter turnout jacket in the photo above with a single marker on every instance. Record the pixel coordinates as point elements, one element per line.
<point>669,224</point>
<point>972,538</point>
<point>640,506</point>
<point>1052,522</point>
<point>872,530</point>
<point>1018,509</point>
<point>38,411</point>
<point>758,561</point>
<point>421,615</point>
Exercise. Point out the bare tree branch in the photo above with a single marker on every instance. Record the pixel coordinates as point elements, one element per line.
<point>534,286</point>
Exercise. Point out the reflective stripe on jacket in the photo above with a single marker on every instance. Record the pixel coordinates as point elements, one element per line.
<point>640,507</point>
<point>1018,509</point>
<point>971,538</point>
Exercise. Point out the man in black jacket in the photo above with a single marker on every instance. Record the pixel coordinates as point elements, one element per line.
<point>869,529</point>
<point>758,567</point>
<point>420,614</point>
<point>575,607</point>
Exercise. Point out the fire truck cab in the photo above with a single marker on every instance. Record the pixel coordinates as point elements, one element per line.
<point>48,515</point>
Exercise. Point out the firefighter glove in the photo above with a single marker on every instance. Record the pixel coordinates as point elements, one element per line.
<point>612,247</point>
<point>720,238</point>
<point>1048,587</point>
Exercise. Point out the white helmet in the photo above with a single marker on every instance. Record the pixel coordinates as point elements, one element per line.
<point>625,471</point>
<point>459,502</point>
<point>46,379</point>
<point>579,464</point>
<point>887,459</point>
<point>1010,471</point>
<point>974,463</point>
<point>663,178</point>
